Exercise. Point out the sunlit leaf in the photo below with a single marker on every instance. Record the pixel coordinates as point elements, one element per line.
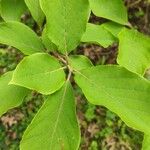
<point>97,34</point>
<point>112,10</point>
<point>134,51</point>
<point>55,126</point>
<point>121,91</point>
<point>10,95</point>
<point>66,22</point>
<point>35,9</point>
<point>21,37</point>
<point>79,62</point>
<point>40,72</point>
<point>11,10</point>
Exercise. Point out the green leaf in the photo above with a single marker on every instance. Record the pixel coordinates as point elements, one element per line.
<point>121,91</point>
<point>146,143</point>
<point>114,11</point>
<point>47,42</point>
<point>98,35</point>
<point>36,11</point>
<point>10,95</point>
<point>64,24</point>
<point>113,28</point>
<point>21,37</point>
<point>79,62</point>
<point>134,51</point>
<point>11,10</point>
<point>40,72</point>
<point>55,126</point>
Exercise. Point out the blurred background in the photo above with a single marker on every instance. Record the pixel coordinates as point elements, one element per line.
<point>100,128</point>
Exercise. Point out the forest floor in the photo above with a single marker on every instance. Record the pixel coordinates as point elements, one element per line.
<point>100,128</point>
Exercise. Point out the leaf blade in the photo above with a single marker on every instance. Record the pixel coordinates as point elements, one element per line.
<point>98,35</point>
<point>11,96</point>
<point>64,26</point>
<point>7,8</point>
<point>113,28</point>
<point>114,11</point>
<point>79,62</point>
<point>146,143</point>
<point>47,42</point>
<point>55,134</point>
<point>21,37</point>
<point>132,43</point>
<point>121,91</point>
<point>36,11</point>
<point>40,72</point>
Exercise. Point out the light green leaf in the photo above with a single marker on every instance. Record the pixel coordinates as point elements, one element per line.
<point>146,143</point>
<point>79,62</point>
<point>121,91</point>
<point>64,24</point>
<point>114,11</point>
<point>40,72</point>
<point>36,11</point>
<point>47,42</point>
<point>10,95</point>
<point>98,35</point>
<point>11,10</point>
<point>113,28</point>
<point>134,51</point>
<point>21,37</point>
<point>55,126</point>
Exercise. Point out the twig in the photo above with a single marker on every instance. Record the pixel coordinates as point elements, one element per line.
<point>134,3</point>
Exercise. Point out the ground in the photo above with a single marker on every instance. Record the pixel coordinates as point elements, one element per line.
<point>100,128</point>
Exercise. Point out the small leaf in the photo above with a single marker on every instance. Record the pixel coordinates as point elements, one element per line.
<point>79,62</point>
<point>113,28</point>
<point>21,37</point>
<point>146,143</point>
<point>66,22</point>
<point>114,11</point>
<point>121,91</point>
<point>98,35</point>
<point>10,95</point>
<point>36,11</point>
<point>40,72</point>
<point>11,10</point>
<point>47,42</point>
<point>134,51</point>
<point>55,126</point>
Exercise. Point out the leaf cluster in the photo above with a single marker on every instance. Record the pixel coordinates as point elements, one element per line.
<point>48,67</point>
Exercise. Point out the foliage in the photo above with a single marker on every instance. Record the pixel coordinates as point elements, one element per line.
<point>7,8</point>
<point>50,67</point>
